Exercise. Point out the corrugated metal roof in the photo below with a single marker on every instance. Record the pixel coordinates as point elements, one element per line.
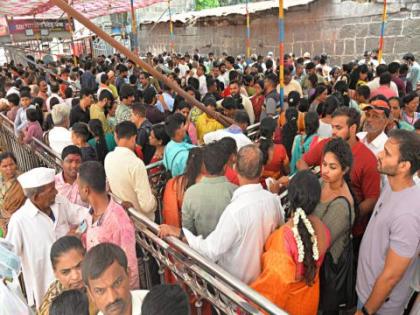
<point>191,17</point>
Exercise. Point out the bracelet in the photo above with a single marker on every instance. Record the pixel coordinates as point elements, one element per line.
<point>365,311</point>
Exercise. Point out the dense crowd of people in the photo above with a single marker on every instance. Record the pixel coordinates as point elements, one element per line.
<point>343,140</point>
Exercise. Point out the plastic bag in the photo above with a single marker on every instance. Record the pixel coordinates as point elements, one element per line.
<point>9,261</point>
<point>10,301</point>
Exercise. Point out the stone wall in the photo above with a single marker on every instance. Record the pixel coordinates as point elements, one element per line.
<point>343,29</point>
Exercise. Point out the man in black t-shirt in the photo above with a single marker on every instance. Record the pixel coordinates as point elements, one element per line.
<point>144,126</point>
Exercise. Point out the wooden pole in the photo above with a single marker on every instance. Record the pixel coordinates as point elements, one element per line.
<point>135,58</point>
<point>381,39</point>
<point>281,52</point>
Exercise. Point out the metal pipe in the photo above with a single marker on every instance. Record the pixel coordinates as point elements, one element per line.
<point>281,52</point>
<point>381,38</point>
<point>216,270</point>
<point>248,34</point>
<point>132,56</point>
<point>171,29</point>
<point>42,67</point>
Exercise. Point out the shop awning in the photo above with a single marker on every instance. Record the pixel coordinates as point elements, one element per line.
<point>89,8</point>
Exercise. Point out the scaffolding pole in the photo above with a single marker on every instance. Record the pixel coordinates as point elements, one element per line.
<point>171,29</point>
<point>281,52</point>
<point>134,28</point>
<point>381,38</point>
<point>248,33</point>
<point>135,58</point>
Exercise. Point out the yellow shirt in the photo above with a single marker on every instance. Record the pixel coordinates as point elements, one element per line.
<point>97,112</point>
<point>114,90</point>
<point>205,124</point>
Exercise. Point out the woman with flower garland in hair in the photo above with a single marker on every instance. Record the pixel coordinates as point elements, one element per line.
<point>294,253</point>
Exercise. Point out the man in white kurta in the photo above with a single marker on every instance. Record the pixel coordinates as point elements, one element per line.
<point>238,240</point>
<point>32,232</point>
<point>235,131</point>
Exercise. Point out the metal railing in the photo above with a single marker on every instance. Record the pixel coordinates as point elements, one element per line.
<point>28,156</point>
<point>203,278</point>
<point>253,131</point>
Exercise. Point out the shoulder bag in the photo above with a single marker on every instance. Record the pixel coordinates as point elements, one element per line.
<point>338,280</point>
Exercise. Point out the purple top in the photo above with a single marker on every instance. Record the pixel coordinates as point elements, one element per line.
<point>395,224</point>
<point>33,130</point>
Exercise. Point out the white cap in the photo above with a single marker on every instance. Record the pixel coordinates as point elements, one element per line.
<point>307,55</point>
<point>270,53</point>
<point>36,177</point>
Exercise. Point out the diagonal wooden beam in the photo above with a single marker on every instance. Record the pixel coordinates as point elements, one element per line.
<point>135,58</point>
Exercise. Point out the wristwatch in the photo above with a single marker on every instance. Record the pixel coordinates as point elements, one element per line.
<point>181,234</point>
<point>365,311</point>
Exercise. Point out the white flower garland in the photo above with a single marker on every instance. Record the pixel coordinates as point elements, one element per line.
<point>299,213</point>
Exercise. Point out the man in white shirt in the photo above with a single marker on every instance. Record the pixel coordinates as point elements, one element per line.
<point>105,274</point>
<point>229,64</point>
<point>235,131</point>
<point>377,118</point>
<point>60,136</point>
<point>253,214</point>
<point>240,98</point>
<point>54,93</point>
<point>183,68</point>
<point>44,218</point>
<point>290,84</point>
<point>126,173</point>
<point>201,76</point>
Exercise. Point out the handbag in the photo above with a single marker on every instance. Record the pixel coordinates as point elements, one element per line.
<point>338,280</point>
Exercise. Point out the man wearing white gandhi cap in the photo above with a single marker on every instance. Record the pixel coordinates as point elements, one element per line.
<point>44,217</point>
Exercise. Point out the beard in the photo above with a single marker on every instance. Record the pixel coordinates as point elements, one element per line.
<point>345,138</point>
<point>386,170</point>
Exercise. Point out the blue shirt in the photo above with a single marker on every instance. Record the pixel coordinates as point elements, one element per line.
<point>21,120</point>
<point>175,157</point>
<point>169,100</point>
<point>414,75</point>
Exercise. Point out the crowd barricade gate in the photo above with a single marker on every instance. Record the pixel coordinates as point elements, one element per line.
<point>201,277</point>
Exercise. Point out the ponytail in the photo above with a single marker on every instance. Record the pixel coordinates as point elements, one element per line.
<point>265,145</point>
<point>96,129</point>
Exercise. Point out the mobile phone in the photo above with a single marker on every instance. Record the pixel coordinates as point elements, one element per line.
<point>82,227</point>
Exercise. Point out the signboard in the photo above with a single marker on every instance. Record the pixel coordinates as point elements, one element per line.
<point>20,26</point>
<point>3,27</point>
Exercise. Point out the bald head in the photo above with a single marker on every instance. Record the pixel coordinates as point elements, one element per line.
<point>249,162</point>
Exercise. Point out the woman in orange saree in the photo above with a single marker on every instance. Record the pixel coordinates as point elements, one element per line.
<point>294,253</point>
<point>172,206</point>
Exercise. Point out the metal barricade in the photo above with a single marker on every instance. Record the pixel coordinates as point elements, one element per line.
<point>253,131</point>
<point>204,279</point>
<point>28,156</point>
